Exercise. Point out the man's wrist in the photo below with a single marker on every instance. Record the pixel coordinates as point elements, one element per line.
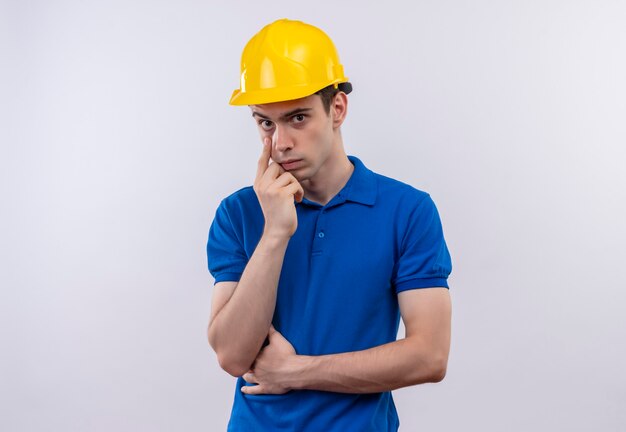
<point>273,242</point>
<point>301,368</point>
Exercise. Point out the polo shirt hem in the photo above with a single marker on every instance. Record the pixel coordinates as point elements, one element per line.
<point>422,283</point>
<point>223,277</point>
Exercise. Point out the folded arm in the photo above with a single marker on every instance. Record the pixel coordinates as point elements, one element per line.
<point>241,313</point>
<point>420,357</point>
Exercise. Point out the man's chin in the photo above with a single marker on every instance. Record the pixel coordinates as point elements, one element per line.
<point>298,172</point>
<point>298,175</point>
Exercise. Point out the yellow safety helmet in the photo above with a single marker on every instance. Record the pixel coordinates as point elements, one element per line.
<point>288,60</point>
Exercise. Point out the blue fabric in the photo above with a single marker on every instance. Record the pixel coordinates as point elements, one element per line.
<point>337,290</point>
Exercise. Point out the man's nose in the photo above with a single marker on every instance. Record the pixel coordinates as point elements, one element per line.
<point>281,139</point>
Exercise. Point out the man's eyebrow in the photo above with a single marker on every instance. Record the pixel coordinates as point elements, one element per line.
<point>284,115</point>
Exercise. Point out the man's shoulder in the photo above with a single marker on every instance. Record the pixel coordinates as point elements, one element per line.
<point>246,193</point>
<point>242,201</point>
<point>395,189</point>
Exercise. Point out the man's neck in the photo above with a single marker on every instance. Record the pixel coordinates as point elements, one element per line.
<point>334,177</point>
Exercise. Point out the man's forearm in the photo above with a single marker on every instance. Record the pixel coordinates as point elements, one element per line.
<point>239,329</point>
<point>383,368</point>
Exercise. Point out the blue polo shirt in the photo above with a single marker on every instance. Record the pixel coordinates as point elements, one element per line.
<point>337,291</point>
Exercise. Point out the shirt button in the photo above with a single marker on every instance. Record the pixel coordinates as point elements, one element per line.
<point>320,235</point>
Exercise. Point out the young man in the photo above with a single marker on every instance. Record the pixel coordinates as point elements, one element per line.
<point>317,261</point>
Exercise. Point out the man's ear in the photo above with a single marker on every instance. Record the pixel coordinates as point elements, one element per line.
<point>339,109</point>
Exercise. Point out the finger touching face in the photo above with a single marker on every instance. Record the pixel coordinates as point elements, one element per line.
<point>265,157</point>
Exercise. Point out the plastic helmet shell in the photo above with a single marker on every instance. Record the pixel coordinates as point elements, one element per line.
<point>286,60</point>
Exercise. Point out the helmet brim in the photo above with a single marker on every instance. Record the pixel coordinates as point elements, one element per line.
<point>272,95</point>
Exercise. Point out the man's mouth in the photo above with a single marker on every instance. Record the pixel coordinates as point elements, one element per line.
<point>291,164</point>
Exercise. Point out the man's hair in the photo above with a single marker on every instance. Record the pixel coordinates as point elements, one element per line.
<point>328,93</point>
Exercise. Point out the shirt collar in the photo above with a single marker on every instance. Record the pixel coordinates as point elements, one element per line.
<point>361,186</point>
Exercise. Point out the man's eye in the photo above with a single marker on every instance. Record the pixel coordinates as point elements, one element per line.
<point>266,124</point>
<point>299,118</point>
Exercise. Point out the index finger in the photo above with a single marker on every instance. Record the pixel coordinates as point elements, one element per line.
<point>265,157</point>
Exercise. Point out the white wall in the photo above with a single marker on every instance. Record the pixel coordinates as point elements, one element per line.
<point>117,143</point>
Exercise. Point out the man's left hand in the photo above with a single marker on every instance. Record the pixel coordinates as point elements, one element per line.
<point>273,368</point>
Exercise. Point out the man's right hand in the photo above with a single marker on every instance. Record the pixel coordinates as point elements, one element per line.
<point>276,188</point>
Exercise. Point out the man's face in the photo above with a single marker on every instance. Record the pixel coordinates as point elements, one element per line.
<point>300,130</point>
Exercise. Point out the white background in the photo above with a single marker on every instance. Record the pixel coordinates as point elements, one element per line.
<point>117,144</point>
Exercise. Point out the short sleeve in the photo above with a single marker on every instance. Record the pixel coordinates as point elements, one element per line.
<point>226,256</point>
<point>424,260</point>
